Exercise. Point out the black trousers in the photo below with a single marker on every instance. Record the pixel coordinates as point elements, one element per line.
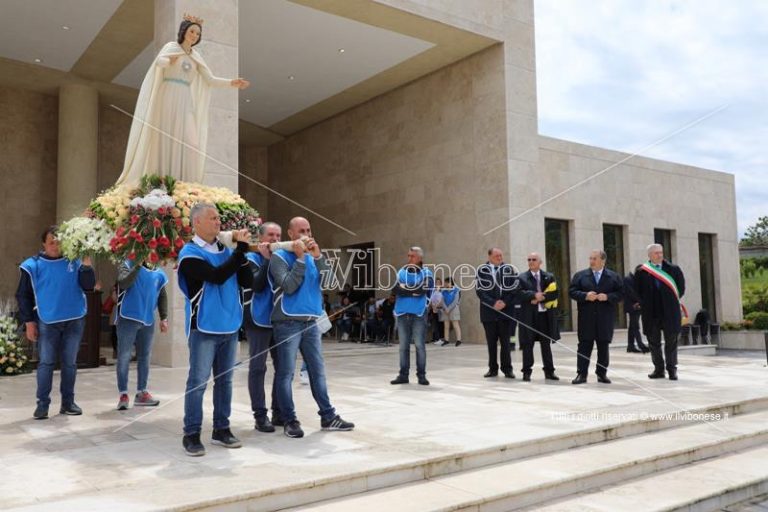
<point>585,354</point>
<point>634,337</point>
<point>497,332</point>
<point>653,331</point>
<point>541,324</point>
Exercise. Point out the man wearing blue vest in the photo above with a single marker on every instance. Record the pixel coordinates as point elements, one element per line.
<point>52,307</point>
<point>140,290</point>
<point>296,277</point>
<point>258,328</point>
<point>413,290</point>
<point>210,277</point>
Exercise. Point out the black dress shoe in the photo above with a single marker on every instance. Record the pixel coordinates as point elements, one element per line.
<point>264,425</point>
<point>551,376</point>
<point>634,350</point>
<point>423,381</point>
<point>580,379</point>
<point>526,377</point>
<point>603,379</point>
<point>399,380</point>
<point>672,374</point>
<point>644,348</point>
<point>509,375</point>
<point>656,375</point>
<point>490,373</point>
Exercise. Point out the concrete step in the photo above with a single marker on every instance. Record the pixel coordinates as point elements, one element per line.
<point>706,486</point>
<point>523,483</point>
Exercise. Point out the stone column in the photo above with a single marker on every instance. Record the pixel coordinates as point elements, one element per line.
<point>78,149</point>
<point>220,51</point>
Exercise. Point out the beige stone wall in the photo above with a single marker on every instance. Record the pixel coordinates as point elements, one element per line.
<point>643,194</point>
<point>422,165</point>
<point>28,138</point>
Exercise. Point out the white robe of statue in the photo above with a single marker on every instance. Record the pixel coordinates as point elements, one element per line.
<point>170,125</point>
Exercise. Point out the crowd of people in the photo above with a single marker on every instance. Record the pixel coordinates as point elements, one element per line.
<point>275,295</point>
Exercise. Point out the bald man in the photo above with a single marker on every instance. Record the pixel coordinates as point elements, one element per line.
<point>295,277</point>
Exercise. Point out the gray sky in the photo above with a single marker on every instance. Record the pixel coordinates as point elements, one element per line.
<point>622,74</point>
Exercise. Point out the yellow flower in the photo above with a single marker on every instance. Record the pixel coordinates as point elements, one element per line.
<point>185,221</point>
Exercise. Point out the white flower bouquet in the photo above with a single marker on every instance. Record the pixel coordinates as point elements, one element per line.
<point>13,357</point>
<point>155,200</point>
<point>83,236</point>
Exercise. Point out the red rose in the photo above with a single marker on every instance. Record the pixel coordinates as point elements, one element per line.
<point>120,231</point>
<point>178,222</point>
<point>163,241</point>
<point>132,233</point>
<point>152,243</point>
<point>173,254</point>
<point>187,229</point>
<point>139,238</point>
<point>179,243</point>
<point>156,223</point>
<point>153,257</point>
<point>132,256</point>
<point>161,210</point>
<point>134,219</point>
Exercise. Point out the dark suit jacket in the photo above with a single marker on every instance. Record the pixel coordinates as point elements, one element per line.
<point>630,295</point>
<point>490,288</point>
<point>660,302</point>
<point>528,311</point>
<point>596,319</point>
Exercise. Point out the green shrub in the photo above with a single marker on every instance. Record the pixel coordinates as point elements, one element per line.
<point>759,320</point>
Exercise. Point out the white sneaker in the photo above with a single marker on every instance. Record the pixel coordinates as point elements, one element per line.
<point>439,343</point>
<point>304,378</point>
<point>344,337</point>
<point>443,343</point>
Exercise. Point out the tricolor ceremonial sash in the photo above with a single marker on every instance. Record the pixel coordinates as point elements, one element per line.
<point>667,280</point>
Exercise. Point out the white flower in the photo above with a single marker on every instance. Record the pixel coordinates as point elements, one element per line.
<point>82,236</point>
<point>155,200</point>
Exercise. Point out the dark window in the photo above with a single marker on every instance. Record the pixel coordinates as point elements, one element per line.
<point>707,270</point>
<point>558,261</point>
<point>613,245</point>
<point>664,237</point>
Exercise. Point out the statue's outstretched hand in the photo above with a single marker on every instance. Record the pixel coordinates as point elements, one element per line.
<point>240,83</point>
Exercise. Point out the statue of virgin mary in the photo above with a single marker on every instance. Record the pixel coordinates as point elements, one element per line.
<point>170,124</point>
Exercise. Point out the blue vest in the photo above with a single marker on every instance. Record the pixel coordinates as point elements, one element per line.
<point>261,303</point>
<point>216,307</point>
<point>450,295</point>
<point>413,305</point>
<point>138,301</point>
<point>56,284</point>
<point>308,299</point>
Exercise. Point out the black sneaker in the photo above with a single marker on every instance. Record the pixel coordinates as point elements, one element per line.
<point>71,410</point>
<point>277,421</point>
<point>399,380</point>
<point>337,424</point>
<point>192,445</point>
<point>224,437</point>
<point>423,381</point>
<point>41,412</point>
<point>264,425</point>
<point>293,429</point>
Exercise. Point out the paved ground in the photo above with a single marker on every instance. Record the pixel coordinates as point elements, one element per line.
<point>105,456</point>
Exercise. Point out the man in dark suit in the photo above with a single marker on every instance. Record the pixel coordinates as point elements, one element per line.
<point>632,309</point>
<point>496,285</point>
<point>538,316</point>
<point>597,290</point>
<point>660,285</point>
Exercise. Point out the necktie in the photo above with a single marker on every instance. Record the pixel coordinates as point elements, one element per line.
<point>596,275</point>
<point>538,282</point>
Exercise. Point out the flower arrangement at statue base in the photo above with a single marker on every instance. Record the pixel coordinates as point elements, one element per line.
<point>13,356</point>
<point>151,222</point>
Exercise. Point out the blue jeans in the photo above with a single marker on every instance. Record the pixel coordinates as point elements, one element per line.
<point>217,352</point>
<point>291,337</point>
<point>130,333</point>
<point>412,328</point>
<point>259,345</point>
<point>60,340</point>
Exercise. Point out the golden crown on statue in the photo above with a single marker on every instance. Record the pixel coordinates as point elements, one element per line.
<point>193,19</point>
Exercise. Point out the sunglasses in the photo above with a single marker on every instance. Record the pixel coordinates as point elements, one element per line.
<point>533,259</point>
